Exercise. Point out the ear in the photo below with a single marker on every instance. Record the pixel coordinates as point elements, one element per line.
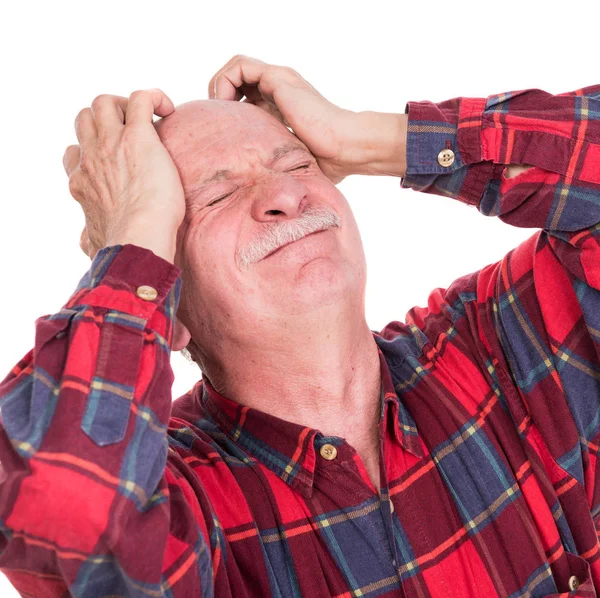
<point>181,336</point>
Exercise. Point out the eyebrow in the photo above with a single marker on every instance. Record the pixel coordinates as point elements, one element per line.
<point>278,152</point>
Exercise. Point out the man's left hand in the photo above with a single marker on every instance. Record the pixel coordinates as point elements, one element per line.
<point>329,132</point>
<point>343,142</point>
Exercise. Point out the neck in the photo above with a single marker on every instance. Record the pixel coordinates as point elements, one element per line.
<point>318,372</point>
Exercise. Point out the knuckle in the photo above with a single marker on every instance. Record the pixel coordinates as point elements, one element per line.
<point>272,75</point>
<point>70,151</point>
<point>74,187</point>
<point>85,162</point>
<point>139,93</point>
<point>70,158</point>
<point>288,71</point>
<point>80,115</point>
<point>101,99</point>
<point>131,133</point>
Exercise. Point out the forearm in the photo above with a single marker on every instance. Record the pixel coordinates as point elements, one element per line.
<point>154,232</point>
<point>380,147</point>
<point>161,245</point>
<point>84,425</point>
<point>483,137</point>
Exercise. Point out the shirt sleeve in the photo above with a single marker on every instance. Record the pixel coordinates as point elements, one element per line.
<point>88,499</point>
<point>535,315</point>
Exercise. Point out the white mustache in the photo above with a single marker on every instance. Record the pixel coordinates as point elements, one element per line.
<point>288,231</point>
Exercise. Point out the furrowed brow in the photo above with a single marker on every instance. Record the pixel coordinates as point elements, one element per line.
<point>217,176</point>
<point>286,149</point>
<point>278,152</point>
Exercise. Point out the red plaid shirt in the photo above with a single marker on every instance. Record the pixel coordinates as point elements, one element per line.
<point>489,413</point>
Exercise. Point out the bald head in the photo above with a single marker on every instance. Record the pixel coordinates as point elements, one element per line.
<point>202,118</point>
<point>206,138</point>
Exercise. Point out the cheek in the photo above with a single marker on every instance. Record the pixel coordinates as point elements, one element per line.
<point>208,251</point>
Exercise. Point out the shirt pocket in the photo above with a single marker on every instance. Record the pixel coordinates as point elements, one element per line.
<point>581,575</point>
<point>115,370</point>
<point>106,413</point>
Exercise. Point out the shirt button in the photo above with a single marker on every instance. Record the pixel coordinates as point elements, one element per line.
<point>328,451</point>
<point>147,293</point>
<point>446,158</point>
<point>574,582</point>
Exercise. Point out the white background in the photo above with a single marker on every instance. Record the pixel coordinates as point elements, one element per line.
<point>57,57</point>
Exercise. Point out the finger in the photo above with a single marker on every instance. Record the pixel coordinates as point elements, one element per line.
<point>211,83</point>
<point>71,159</point>
<point>84,242</point>
<point>238,95</point>
<point>109,114</point>
<point>143,104</point>
<point>85,128</point>
<point>242,71</point>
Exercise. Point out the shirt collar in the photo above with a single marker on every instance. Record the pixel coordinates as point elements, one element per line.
<point>288,449</point>
<point>404,426</point>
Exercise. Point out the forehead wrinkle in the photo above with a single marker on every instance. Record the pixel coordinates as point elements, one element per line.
<point>278,152</point>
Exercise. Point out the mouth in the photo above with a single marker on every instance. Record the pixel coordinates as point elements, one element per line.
<point>292,242</point>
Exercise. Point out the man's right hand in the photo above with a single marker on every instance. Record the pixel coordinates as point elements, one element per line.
<point>123,177</point>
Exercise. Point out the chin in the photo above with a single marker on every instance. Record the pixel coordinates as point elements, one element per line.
<point>317,283</point>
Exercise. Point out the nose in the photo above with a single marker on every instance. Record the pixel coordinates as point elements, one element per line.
<point>280,197</point>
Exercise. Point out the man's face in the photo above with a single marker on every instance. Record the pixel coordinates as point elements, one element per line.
<point>274,193</point>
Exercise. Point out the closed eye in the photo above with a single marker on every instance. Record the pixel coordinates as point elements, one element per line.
<point>219,199</point>
<point>225,196</point>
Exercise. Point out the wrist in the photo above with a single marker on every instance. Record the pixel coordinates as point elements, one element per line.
<point>164,250</point>
<point>380,145</point>
<point>162,242</point>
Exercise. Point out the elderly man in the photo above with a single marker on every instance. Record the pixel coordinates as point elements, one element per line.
<point>450,455</point>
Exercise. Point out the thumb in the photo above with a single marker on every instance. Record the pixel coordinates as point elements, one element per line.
<point>181,336</point>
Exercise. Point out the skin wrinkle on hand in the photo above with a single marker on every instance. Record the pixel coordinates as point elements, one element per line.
<point>297,317</point>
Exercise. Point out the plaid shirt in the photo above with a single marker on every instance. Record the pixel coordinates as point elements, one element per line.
<point>489,413</point>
